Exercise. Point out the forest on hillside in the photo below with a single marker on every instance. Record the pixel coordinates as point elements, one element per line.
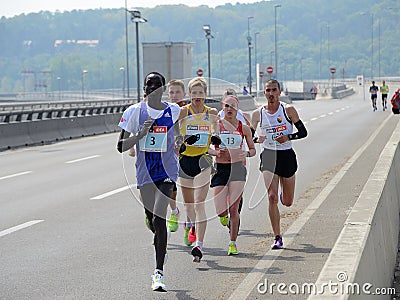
<point>355,37</point>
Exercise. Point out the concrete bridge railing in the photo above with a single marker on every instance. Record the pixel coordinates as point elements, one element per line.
<point>364,255</point>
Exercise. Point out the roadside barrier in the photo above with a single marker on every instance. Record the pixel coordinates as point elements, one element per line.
<point>24,124</point>
<point>35,123</point>
<point>363,259</point>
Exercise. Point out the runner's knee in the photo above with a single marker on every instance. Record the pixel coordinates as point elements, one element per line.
<point>273,198</point>
<point>286,202</point>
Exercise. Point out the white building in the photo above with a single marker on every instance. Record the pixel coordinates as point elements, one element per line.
<point>172,59</point>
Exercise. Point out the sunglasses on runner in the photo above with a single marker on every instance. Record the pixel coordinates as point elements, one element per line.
<point>229,106</point>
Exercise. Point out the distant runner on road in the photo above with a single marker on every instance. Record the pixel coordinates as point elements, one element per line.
<point>373,90</point>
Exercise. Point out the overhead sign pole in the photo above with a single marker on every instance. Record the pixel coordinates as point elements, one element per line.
<point>269,71</point>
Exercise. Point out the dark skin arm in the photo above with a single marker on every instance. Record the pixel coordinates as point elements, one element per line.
<point>126,142</point>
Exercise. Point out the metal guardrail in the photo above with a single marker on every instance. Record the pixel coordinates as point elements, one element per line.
<point>342,93</point>
<point>20,112</point>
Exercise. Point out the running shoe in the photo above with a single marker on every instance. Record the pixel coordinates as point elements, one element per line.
<point>197,254</point>
<point>224,220</point>
<point>278,243</point>
<point>158,284</point>
<point>232,250</point>
<point>173,222</point>
<point>192,235</point>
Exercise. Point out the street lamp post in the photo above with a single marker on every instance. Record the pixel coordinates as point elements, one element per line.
<point>329,53</point>
<point>136,17</point>
<point>276,44</point>
<point>379,49</point>
<point>207,30</point>
<point>250,46</point>
<point>372,45</point>
<point>255,59</point>
<point>301,75</point>
<point>320,53</point>
<point>126,48</point>
<point>84,72</point>
<point>59,87</point>
<point>122,69</point>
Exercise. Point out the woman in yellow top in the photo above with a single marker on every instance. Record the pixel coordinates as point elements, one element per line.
<point>197,121</point>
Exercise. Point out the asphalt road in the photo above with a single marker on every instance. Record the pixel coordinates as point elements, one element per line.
<point>71,228</point>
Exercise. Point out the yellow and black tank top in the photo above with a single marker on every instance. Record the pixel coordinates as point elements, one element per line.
<point>200,125</point>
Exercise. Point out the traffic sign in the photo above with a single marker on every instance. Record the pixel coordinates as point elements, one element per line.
<point>270,70</point>
<point>261,73</point>
<point>333,70</point>
<point>199,72</point>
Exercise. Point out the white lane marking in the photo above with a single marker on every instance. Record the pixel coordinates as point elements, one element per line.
<point>19,227</point>
<point>330,113</point>
<point>255,276</point>
<point>15,175</point>
<point>102,196</point>
<point>81,159</point>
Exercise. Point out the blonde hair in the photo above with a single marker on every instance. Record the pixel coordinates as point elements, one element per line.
<point>177,82</point>
<point>198,81</point>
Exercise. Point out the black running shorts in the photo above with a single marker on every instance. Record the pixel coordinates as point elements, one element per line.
<point>226,173</point>
<point>280,162</point>
<point>191,166</point>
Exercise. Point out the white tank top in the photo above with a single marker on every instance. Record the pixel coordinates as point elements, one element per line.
<point>273,125</point>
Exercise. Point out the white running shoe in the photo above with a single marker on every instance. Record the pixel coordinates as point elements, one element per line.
<point>157,283</point>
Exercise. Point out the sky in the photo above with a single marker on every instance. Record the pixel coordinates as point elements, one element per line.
<point>10,8</point>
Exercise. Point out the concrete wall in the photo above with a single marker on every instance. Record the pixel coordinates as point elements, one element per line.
<point>365,252</point>
<point>17,134</point>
